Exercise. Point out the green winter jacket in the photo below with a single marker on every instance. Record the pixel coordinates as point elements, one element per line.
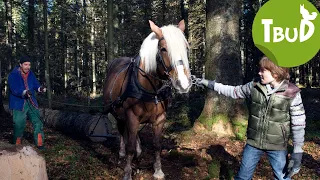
<point>269,118</point>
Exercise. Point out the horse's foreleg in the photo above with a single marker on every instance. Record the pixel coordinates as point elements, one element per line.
<point>121,129</point>
<point>138,146</point>
<point>157,130</point>
<point>132,129</point>
<point>122,151</point>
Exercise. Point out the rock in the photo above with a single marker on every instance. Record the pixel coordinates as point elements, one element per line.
<point>21,162</point>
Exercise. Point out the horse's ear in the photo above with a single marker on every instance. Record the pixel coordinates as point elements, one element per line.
<point>181,25</point>
<point>155,29</point>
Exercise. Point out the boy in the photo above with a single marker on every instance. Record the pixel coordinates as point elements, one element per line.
<point>275,109</point>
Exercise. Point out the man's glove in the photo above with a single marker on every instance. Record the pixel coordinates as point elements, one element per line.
<point>294,164</point>
<point>42,89</point>
<point>27,93</point>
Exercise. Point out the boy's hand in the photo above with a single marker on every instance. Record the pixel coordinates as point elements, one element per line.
<point>200,82</point>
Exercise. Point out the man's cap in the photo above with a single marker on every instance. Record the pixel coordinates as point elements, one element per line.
<point>24,59</point>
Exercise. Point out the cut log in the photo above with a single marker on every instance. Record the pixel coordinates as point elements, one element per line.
<point>95,127</point>
<point>18,162</point>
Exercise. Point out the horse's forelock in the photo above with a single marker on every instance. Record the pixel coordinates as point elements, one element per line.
<point>148,52</point>
<point>177,45</point>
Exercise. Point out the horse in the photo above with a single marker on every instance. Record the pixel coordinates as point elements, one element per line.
<point>137,89</point>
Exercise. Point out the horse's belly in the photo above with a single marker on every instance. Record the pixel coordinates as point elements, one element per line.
<point>145,111</point>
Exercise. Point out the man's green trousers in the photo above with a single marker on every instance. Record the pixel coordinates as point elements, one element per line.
<point>19,123</point>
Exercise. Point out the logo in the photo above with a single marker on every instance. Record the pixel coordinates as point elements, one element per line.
<point>287,31</point>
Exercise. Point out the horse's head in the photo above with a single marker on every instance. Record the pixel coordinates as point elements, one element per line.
<point>166,49</point>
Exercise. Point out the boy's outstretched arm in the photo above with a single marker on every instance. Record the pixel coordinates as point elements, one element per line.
<point>241,91</point>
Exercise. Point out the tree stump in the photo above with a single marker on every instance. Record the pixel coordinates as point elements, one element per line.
<point>21,162</point>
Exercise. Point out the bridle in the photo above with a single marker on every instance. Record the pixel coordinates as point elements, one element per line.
<point>167,69</point>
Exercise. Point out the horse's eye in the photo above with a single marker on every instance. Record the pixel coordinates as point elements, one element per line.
<point>163,49</point>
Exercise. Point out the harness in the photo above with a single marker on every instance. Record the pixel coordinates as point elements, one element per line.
<point>135,90</point>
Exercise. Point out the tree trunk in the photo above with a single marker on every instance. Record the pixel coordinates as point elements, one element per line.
<point>63,40</point>
<point>18,162</point>
<point>76,52</point>
<point>196,24</point>
<point>46,55</point>
<point>93,60</point>
<point>31,28</point>
<point>81,125</point>
<point>223,64</point>
<point>184,5</point>
<point>86,53</point>
<point>9,39</point>
<point>1,98</point>
<point>157,11</point>
<point>110,31</point>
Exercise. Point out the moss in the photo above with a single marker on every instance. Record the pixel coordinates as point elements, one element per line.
<point>240,129</point>
<point>214,169</point>
<point>239,125</point>
<point>208,122</point>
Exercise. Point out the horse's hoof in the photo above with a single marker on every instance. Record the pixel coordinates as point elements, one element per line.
<point>158,176</point>
<point>127,178</point>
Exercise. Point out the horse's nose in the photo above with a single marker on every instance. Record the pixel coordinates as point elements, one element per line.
<point>183,80</point>
<point>184,86</point>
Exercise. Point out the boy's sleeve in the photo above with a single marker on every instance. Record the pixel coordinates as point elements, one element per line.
<point>298,123</point>
<point>235,92</point>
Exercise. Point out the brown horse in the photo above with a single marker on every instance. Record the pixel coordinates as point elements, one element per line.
<point>136,90</point>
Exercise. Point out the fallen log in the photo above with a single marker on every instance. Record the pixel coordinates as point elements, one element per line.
<point>96,127</point>
<point>18,162</point>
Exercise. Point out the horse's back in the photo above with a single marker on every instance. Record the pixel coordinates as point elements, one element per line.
<point>116,79</point>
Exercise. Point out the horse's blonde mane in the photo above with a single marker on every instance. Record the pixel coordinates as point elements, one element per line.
<point>177,48</point>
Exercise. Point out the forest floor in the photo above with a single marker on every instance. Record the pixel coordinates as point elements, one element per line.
<point>185,155</point>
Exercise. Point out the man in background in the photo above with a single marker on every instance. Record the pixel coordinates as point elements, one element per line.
<point>23,85</point>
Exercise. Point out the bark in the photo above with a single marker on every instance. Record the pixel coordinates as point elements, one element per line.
<point>110,31</point>
<point>93,59</point>
<point>86,53</point>
<point>184,14</point>
<point>9,38</point>
<point>1,98</point>
<point>31,28</point>
<point>46,54</point>
<point>223,64</point>
<point>196,38</point>
<point>63,40</point>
